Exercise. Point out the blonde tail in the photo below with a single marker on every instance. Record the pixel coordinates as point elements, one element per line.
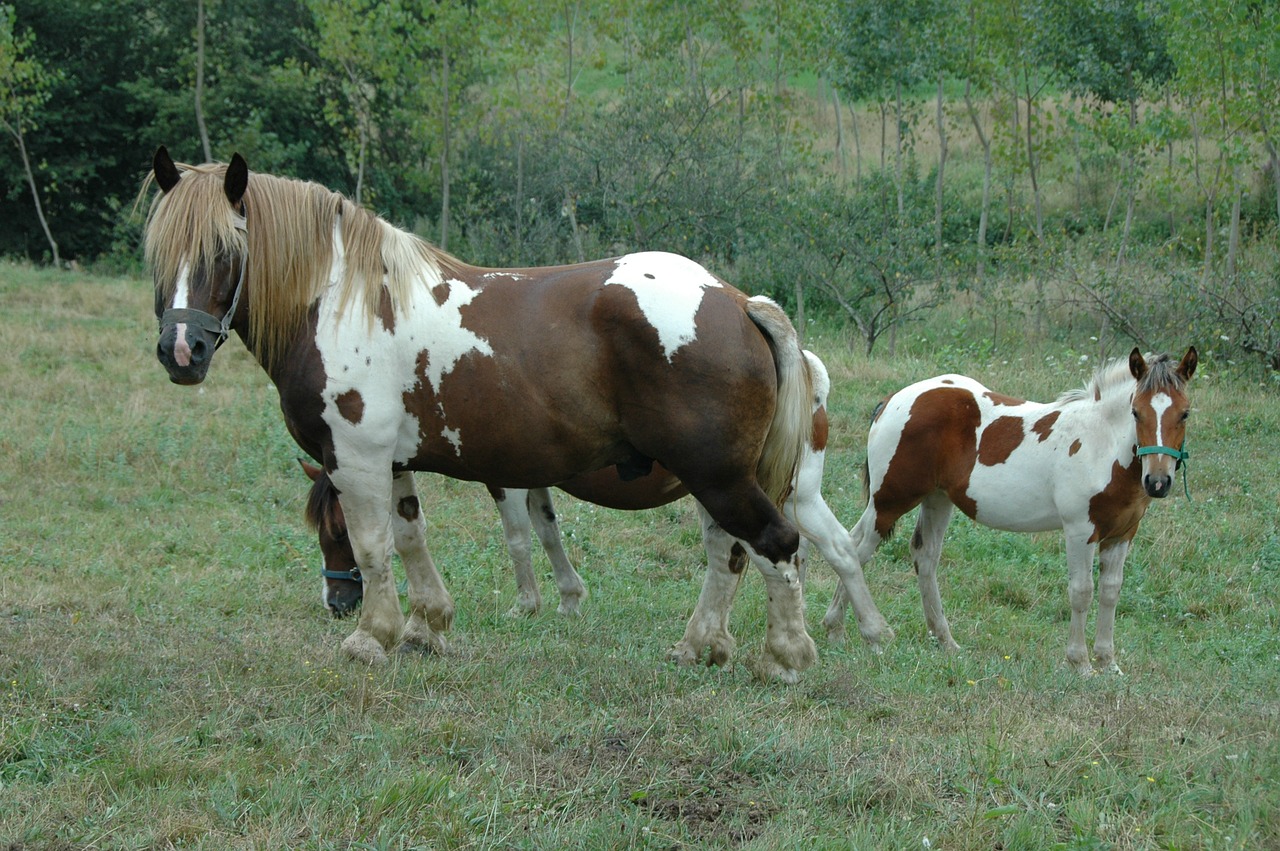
<point>792,426</point>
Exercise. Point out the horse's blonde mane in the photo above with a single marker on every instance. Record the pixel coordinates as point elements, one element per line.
<point>290,246</point>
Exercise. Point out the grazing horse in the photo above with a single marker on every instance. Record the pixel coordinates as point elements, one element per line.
<point>522,509</point>
<point>392,356</point>
<point>1089,464</point>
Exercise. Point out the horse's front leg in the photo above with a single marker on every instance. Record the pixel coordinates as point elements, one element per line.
<point>366,504</point>
<point>1111,556</point>
<point>430,606</point>
<point>1080,593</point>
<point>708,627</point>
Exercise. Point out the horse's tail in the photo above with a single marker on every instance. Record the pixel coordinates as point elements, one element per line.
<point>792,426</point>
<point>866,462</point>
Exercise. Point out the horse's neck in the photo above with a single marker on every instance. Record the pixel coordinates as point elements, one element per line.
<point>1108,419</point>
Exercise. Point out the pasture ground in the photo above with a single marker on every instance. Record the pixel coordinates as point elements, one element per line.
<point>168,679</point>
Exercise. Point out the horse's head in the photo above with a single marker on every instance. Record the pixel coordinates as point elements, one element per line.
<point>196,247</point>
<point>343,588</point>
<point>1160,408</point>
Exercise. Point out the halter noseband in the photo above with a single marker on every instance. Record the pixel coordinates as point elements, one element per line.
<point>207,321</point>
<point>1180,454</point>
<point>352,575</point>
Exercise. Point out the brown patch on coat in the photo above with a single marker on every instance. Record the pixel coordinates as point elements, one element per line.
<point>999,439</point>
<point>408,508</point>
<point>820,430</point>
<point>1117,508</point>
<point>351,406</point>
<point>737,558</point>
<point>440,292</point>
<point>936,451</point>
<point>386,312</point>
<point>1044,425</point>
<point>1001,399</point>
<point>1075,447</point>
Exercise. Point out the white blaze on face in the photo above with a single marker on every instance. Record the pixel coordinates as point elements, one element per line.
<point>181,298</point>
<point>1160,403</point>
<point>669,289</point>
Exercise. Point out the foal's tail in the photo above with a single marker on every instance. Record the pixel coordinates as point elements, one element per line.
<point>792,426</point>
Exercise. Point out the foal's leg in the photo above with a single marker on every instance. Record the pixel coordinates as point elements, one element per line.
<point>865,540</point>
<point>543,515</point>
<point>430,606</point>
<point>708,628</point>
<point>1080,593</point>
<point>817,524</point>
<point>926,550</point>
<point>513,508</point>
<point>1111,555</point>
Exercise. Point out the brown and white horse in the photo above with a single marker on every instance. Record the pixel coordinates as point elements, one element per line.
<point>1089,464</point>
<point>525,510</point>
<point>392,356</point>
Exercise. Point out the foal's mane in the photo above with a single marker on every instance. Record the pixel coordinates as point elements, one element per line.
<point>322,504</point>
<point>289,239</point>
<point>1113,379</point>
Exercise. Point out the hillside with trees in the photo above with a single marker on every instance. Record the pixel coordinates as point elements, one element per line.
<point>1037,165</point>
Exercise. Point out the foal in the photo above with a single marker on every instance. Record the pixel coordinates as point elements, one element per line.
<point>1089,464</point>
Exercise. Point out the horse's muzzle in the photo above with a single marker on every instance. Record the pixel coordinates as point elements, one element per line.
<point>342,597</point>
<point>1157,486</point>
<point>185,357</point>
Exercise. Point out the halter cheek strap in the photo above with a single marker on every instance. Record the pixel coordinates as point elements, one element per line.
<point>1181,454</point>
<point>207,321</point>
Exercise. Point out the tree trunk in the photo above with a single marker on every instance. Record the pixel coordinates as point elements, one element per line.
<point>444,152</point>
<point>985,141</point>
<point>897,153</point>
<point>857,148</point>
<point>835,109</point>
<point>1031,161</point>
<point>1233,235</point>
<point>942,167</point>
<point>204,131</point>
<point>16,131</point>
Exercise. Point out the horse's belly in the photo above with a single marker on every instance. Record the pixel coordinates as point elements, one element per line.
<point>1021,504</point>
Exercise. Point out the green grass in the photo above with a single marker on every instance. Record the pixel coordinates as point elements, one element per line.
<point>167,677</point>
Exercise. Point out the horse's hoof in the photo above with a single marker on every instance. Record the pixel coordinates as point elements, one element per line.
<point>441,619</point>
<point>363,647</point>
<point>519,611</point>
<point>418,636</point>
<point>683,654</point>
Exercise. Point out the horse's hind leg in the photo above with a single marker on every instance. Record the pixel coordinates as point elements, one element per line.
<point>708,628</point>
<point>864,540</point>
<point>772,543</point>
<point>430,606</point>
<point>513,508</point>
<point>926,551</point>
<point>817,524</point>
<point>542,513</point>
<point>1111,556</point>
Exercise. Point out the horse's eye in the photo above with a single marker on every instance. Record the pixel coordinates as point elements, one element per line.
<point>1134,411</point>
<point>1185,414</point>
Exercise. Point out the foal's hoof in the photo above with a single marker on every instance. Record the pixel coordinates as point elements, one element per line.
<point>363,647</point>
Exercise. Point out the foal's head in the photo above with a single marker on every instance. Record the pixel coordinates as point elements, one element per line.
<point>343,588</point>
<point>1160,408</point>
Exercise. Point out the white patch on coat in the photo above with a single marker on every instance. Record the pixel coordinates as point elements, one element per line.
<point>181,297</point>
<point>381,365</point>
<point>669,290</point>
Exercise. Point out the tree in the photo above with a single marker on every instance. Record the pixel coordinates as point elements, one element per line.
<point>24,88</point>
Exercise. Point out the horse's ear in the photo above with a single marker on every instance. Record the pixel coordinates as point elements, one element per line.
<point>313,472</point>
<point>167,175</point>
<point>1137,363</point>
<point>1187,367</point>
<point>237,180</point>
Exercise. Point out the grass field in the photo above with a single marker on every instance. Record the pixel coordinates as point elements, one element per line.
<point>168,679</point>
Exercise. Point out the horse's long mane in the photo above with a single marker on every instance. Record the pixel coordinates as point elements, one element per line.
<point>289,238</point>
<point>1114,378</point>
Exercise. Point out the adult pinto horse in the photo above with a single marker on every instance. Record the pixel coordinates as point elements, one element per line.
<point>1089,463</point>
<point>525,510</point>
<point>391,356</point>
